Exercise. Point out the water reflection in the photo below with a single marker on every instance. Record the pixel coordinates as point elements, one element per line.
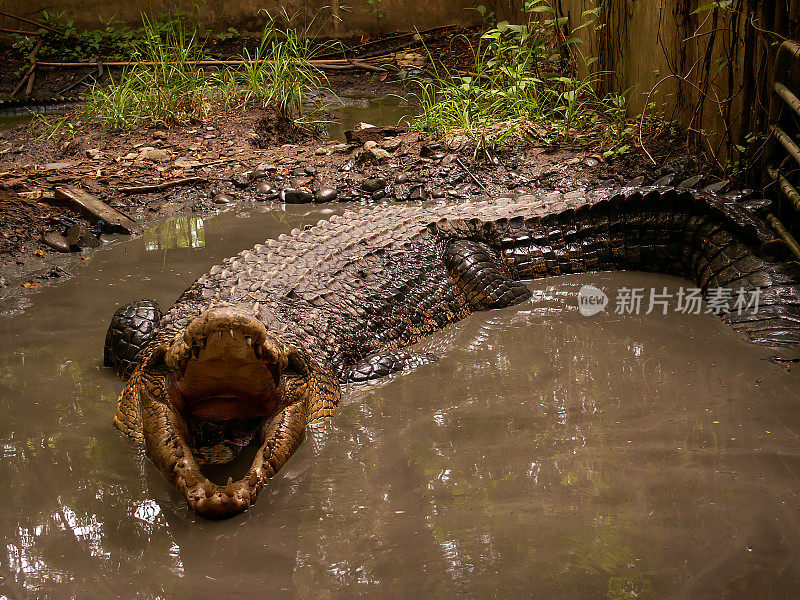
<point>186,232</point>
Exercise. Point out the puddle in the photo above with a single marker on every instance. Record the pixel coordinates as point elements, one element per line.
<point>9,121</point>
<point>546,454</point>
<point>389,110</point>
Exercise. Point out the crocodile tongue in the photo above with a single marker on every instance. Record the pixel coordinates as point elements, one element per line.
<point>225,366</point>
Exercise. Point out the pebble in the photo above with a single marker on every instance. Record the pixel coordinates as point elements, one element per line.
<point>155,154</point>
<point>265,188</point>
<point>341,148</point>
<point>373,184</point>
<point>57,242</point>
<point>391,144</point>
<point>295,196</point>
<point>379,194</point>
<point>298,172</point>
<point>326,194</point>
<point>222,198</point>
<point>401,178</point>
<point>438,193</point>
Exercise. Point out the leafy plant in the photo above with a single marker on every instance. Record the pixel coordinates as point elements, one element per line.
<point>524,82</point>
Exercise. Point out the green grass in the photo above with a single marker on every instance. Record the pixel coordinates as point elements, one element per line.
<point>523,85</point>
<point>166,86</point>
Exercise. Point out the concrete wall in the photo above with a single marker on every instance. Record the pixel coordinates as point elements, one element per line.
<point>331,17</point>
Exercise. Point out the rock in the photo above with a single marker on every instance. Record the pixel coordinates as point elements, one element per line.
<point>298,172</point>
<point>377,155</point>
<point>361,135</point>
<point>449,159</point>
<point>401,178</point>
<point>56,166</point>
<point>379,194</point>
<point>240,180</point>
<point>430,149</point>
<point>265,189</point>
<point>311,170</point>
<point>186,162</point>
<point>457,142</point>
<point>438,193</point>
<point>261,170</point>
<point>341,148</point>
<point>94,153</point>
<point>56,241</point>
<point>323,151</point>
<point>296,196</point>
<point>222,198</point>
<point>373,184</point>
<point>326,194</point>
<point>155,154</point>
<point>299,182</point>
<point>391,144</point>
<point>370,145</point>
<point>79,237</point>
<point>418,193</point>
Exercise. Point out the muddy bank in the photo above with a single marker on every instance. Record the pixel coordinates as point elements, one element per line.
<point>237,156</point>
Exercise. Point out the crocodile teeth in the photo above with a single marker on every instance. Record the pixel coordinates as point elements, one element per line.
<point>253,479</point>
<point>229,487</point>
<point>179,452</point>
<point>208,488</point>
<point>219,332</point>
<point>189,479</point>
<point>248,340</point>
<point>231,332</point>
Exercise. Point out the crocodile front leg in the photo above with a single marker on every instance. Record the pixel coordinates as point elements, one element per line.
<point>131,328</point>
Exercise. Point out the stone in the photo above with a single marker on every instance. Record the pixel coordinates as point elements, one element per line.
<point>296,196</point>
<point>299,171</point>
<point>56,166</point>
<point>418,193</point>
<point>222,198</point>
<point>326,194</point>
<point>77,237</point>
<point>94,153</point>
<point>370,145</point>
<point>240,180</point>
<point>341,148</point>
<point>438,193</point>
<point>155,154</point>
<point>391,144</point>
<point>311,170</point>
<point>401,178</point>
<point>56,241</point>
<point>299,182</point>
<point>264,187</point>
<point>373,184</point>
<point>379,194</point>
<point>378,155</point>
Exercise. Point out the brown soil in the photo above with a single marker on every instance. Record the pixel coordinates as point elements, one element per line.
<point>221,153</point>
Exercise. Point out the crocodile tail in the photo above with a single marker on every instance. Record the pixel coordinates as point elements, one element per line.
<point>721,245</point>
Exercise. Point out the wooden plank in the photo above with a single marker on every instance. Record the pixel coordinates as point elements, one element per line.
<point>94,210</point>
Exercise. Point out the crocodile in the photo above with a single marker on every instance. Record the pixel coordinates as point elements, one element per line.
<point>256,350</point>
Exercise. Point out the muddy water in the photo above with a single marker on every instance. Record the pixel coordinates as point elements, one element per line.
<point>387,110</point>
<point>545,455</point>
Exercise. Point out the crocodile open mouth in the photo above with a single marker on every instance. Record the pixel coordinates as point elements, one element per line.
<point>228,376</point>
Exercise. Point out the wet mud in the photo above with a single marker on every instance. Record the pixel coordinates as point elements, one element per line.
<point>545,454</point>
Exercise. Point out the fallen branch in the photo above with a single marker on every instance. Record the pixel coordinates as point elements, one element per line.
<point>472,175</point>
<point>157,187</point>
<point>334,64</point>
<point>24,20</point>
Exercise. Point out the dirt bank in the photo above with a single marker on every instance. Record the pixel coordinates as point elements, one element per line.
<point>234,155</point>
